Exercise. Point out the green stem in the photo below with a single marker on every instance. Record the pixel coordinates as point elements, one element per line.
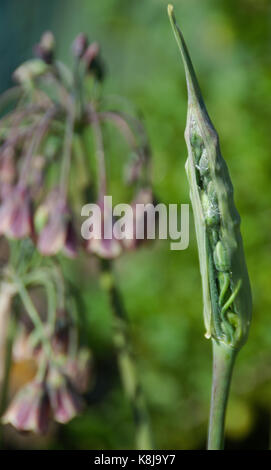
<point>33,314</point>
<point>126,363</point>
<point>223,362</point>
<point>67,151</point>
<point>40,277</point>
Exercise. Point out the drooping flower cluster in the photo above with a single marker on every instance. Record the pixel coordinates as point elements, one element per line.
<point>43,141</point>
<point>55,115</point>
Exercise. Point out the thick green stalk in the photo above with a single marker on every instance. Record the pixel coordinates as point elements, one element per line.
<point>223,362</point>
<point>126,363</point>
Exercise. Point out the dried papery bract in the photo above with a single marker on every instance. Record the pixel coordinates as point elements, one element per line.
<point>226,289</point>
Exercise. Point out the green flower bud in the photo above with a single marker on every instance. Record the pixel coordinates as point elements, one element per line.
<point>221,258</point>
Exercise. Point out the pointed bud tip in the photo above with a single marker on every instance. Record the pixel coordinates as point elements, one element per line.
<point>170,9</point>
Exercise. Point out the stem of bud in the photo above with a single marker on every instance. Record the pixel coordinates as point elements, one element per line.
<point>223,362</point>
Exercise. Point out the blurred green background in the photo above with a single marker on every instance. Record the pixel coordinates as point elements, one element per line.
<point>230,43</point>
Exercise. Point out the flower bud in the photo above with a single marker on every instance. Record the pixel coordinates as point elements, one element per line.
<point>80,45</point>
<point>46,47</point>
<point>91,53</point>
<point>211,211</point>
<point>93,61</point>
<point>221,258</point>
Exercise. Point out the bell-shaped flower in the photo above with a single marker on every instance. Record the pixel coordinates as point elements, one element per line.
<point>16,218</point>
<point>78,369</point>
<point>65,401</point>
<point>58,233</point>
<point>29,409</point>
<point>138,223</point>
<point>102,240</point>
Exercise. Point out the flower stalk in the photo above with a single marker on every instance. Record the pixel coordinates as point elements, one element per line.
<point>223,363</point>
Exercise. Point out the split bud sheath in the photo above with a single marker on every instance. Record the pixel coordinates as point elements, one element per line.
<point>226,288</point>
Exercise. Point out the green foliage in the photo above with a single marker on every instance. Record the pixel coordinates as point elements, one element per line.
<point>161,289</point>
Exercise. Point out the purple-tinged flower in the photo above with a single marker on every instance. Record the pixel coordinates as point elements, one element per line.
<point>107,249</point>
<point>104,244</point>
<point>91,53</point>
<point>5,190</point>
<point>70,245</point>
<point>78,369</point>
<point>16,219</point>
<point>30,409</point>
<point>65,401</point>
<point>61,337</point>
<point>58,234</point>
<point>93,61</point>
<point>80,45</point>
<point>46,47</point>
<point>139,219</point>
